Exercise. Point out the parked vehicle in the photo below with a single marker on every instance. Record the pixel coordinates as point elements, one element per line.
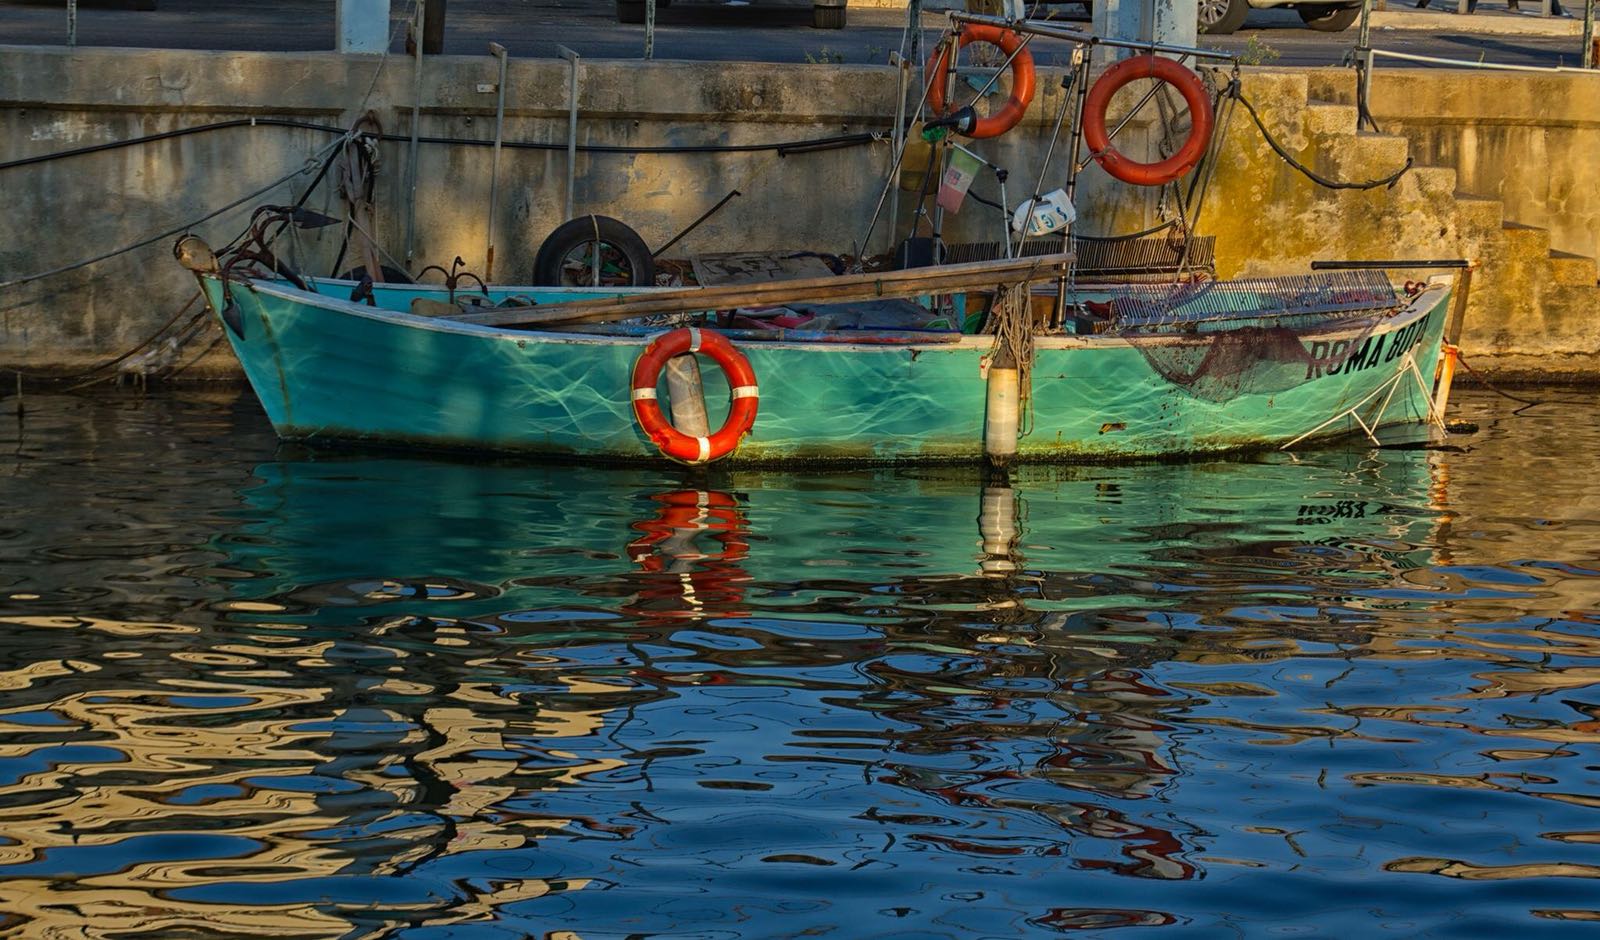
<point>825,14</point>
<point>1219,17</point>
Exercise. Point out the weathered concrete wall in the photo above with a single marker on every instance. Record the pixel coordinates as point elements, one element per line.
<point>1267,217</point>
<point>62,211</point>
<point>1531,141</point>
<point>1523,148</point>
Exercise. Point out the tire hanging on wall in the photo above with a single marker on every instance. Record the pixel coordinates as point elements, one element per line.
<point>567,257</point>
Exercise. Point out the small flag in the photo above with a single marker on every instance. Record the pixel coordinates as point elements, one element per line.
<point>958,177</point>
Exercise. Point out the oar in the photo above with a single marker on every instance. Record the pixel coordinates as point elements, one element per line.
<point>912,282</point>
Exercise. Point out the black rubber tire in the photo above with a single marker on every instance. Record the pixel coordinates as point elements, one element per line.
<point>630,11</point>
<point>1230,19</point>
<point>1327,18</point>
<point>827,17</point>
<point>550,264</point>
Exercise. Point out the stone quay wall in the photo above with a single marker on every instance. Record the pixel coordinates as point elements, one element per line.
<point>1531,315</point>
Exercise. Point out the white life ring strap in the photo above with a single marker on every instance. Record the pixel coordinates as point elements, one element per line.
<point>639,393</point>
<point>747,391</point>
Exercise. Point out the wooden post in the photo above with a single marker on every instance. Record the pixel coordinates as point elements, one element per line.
<point>433,27</point>
<point>1458,306</point>
<point>1589,50</point>
<point>649,29</point>
<point>687,395</point>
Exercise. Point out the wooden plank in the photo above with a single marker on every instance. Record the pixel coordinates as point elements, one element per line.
<point>912,282</point>
<point>842,337</point>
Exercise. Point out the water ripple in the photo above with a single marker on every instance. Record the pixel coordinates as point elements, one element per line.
<point>377,697</point>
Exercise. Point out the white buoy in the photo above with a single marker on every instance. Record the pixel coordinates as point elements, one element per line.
<point>1000,419</point>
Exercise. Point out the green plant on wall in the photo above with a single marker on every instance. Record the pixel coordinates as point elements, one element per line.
<point>825,56</point>
<point>1256,52</point>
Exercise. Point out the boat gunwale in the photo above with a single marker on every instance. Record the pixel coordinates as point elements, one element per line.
<point>1416,306</point>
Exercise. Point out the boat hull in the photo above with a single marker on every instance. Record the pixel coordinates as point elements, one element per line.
<point>327,370</point>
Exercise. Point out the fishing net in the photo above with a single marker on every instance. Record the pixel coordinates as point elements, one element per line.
<point>1222,339</point>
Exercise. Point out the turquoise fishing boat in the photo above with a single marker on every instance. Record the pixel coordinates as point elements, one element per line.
<point>1130,371</point>
<point>1018,357</point>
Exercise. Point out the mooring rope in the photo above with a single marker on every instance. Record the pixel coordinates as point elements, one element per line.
<point>1011,317</point>
<point>175,230</point>
<point>1310,174</point>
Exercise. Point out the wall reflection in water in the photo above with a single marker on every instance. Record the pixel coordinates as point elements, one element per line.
<point>369,696</point>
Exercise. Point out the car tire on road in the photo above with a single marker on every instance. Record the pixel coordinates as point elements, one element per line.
<point>827,17</point>
<point>1221,17</point>
<point>1327,18</point>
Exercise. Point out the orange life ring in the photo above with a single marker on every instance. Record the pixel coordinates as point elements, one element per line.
<point>1174,74</point>
<point>741,383</point>
<point>1021,78</point>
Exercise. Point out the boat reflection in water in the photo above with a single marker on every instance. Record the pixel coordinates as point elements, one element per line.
<point>503,699</point>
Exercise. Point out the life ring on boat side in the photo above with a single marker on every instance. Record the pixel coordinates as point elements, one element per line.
<point>1021,78</point>
<point>1132,69</point>
<point>673,443</point>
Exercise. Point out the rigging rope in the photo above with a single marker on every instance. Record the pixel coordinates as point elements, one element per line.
<point>783,148</point>
<point>168,233</point>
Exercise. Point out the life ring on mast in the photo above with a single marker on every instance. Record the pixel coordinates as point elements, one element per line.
<point>742,386</point>
<point>1194,95</point>
<point>1022,78</point>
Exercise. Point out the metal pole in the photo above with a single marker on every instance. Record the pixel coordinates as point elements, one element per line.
<point>914,27</point>
<point>572,122</point>
<point>499,52</point>
<point>1588,34</point>
<point>416,120</point>
<point>897,141</point>
<point>1005,212</point>
<point>1080,64</point>
<point>72,22</point>
<point>1081,76</point>
<point>1364,62</point>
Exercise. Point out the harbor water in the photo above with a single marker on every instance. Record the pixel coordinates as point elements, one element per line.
<point>256,691</point>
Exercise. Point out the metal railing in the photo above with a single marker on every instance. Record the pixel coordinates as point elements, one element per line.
<point>1365,56</point>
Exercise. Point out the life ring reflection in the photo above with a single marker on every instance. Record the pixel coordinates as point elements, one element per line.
<point>690,554</point>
